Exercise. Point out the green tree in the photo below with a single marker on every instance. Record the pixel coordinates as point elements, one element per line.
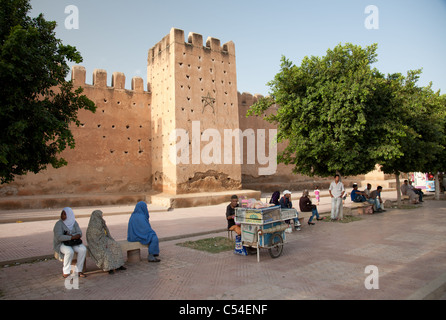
<point>37,104</point>
<point>423,112</point>
<point>337,113</point>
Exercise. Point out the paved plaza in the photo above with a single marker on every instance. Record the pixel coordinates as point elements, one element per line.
<point>406,249</point>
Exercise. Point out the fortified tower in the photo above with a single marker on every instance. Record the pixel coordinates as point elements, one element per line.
<point>194,103</point>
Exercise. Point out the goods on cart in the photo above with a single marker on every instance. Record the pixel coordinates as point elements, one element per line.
<point>257,216</point>
<point>264,227</point>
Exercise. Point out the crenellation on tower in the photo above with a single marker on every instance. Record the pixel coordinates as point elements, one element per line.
<point>195,39</point>
<point>213,44</point>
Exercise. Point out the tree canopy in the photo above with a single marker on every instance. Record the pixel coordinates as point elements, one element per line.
<point>37,104</point>
<point>338,113</point>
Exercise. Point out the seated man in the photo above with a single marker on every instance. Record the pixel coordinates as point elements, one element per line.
<point>407,191</point>
<point>367,191</point>
<point>419,192</point>
<point>375,199</point>
<point>305,205</point>
<point>356,195</point>
<point>286,203</point>
<point>230,215</point>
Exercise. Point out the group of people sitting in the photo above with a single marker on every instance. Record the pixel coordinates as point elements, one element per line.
<point>103,249</point>
<point>373,197</point>
<point>415,195</point>
<point>305,205</point>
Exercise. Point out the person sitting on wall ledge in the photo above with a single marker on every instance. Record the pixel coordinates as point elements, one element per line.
<point>230,215</point>
<point>104,250</point>
<point>286,203</point>
<point>67,241</point>
<point>418,191</point>
<point>356,195</point>
<point>140,230</point>
<point>375,199</point>
<point>367,191</point>
<point>407,191</point>
<point>275,198</point>
<point>305,205</point>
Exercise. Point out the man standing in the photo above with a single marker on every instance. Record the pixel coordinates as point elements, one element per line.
<point>336,191</point>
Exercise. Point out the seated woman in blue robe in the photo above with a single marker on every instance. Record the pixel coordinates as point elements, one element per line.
<point>139,230</point>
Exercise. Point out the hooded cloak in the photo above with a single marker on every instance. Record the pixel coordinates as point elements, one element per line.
<point>140,230</point>
<point>104,250</point>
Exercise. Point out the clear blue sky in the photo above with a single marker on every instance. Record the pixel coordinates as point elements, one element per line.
<point>116,35</point>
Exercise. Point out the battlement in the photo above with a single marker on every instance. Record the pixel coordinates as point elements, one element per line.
<point>78,76</point>
<point>193,39</point>
<point>248,99</point>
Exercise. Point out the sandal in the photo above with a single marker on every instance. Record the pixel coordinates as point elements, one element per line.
<point>82,275</point>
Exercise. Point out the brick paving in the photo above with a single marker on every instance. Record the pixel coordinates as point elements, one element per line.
<point>324,261</point>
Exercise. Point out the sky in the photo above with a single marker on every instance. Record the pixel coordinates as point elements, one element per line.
<point>116,35</point>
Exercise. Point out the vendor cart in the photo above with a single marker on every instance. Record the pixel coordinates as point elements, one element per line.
<point>264,228</point>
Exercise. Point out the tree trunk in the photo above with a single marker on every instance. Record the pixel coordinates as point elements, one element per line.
<point>437,187</point>
<point>398,189</point>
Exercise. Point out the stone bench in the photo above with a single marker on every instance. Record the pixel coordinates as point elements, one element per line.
<point>357,208</point>
<point>133,250</point>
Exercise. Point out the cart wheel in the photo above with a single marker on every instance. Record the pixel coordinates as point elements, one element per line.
<point>276,245</point>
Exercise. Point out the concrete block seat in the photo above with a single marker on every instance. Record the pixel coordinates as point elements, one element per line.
<point>133,250</point>
<point>358,208</point>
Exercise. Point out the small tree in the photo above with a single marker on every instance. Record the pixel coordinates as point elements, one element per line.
<point>37,104</point>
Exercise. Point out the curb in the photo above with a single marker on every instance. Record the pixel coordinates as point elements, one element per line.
<point>432,291</point>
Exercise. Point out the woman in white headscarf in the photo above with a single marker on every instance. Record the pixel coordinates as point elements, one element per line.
<point>105,251</point>
<point>67,240</point>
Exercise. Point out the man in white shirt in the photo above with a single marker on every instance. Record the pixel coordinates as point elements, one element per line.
<point>336,191</point>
